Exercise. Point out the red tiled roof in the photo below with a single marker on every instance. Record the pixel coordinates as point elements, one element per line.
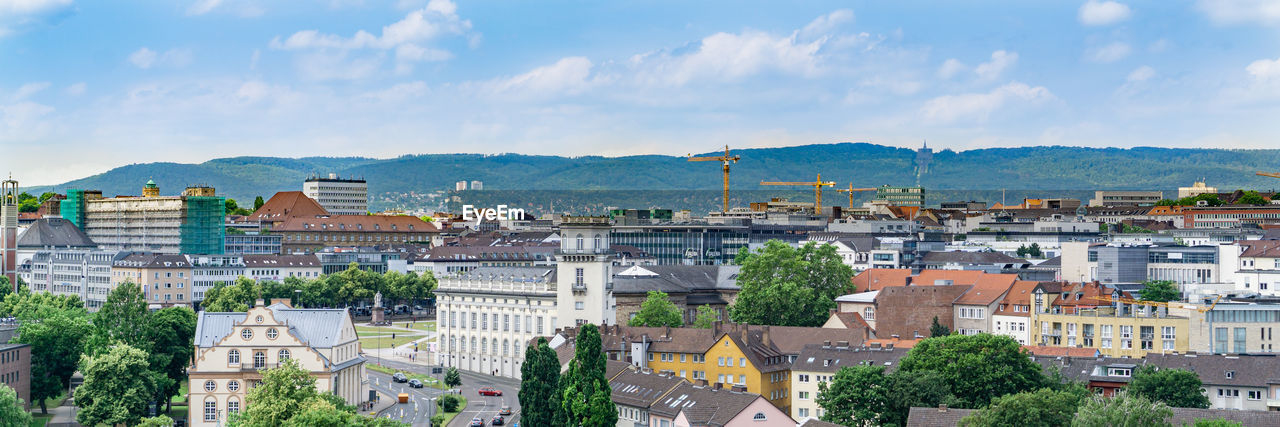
<point>1019,294</point>
<point>988,289</point>
<point>876,278</point>
<point>957,277</point>
<point>288,204</point>
<point>359,223</point>
<point>1040,350</point>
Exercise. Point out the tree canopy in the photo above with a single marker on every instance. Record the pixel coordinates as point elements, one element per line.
<point>1160,291</point>
<point>56,327</point>
<point>706,317</point>
<point>1123,409</point>
<point>787,286</point>
<point>12,412</point>
<point>856,395</point>
<point>539,378</point>
<point>1044,407</point>
<point>1178,388</point>
<point>937,329</point>
<point>287,396</point>
<point>118,387</point>
<point>584,391</point>
<point>979,367</point>
<point>657,310</point>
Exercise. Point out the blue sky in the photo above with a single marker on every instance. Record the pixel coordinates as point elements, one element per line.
<point>102,84</point>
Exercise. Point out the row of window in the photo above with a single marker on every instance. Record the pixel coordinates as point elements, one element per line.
<point>211,409</point>
<point>259,358</point>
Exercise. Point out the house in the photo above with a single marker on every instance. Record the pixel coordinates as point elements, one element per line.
<point>635,390</point>
<point>315,233</point>
<point>946,417</point>
<point>165,278</point>
<point>1259,267</point>
<point>876,278</point>
<point>975,309</point>
<point>233,348</point>
<point>907,312</point>
<point>691,405</point>
<point>990,262</point>
<point>1246,382</point>
<point>1012,316</point>
<point>817,363</point>
<point>687,286</point>
<point>285,205</point>
<point>863,303</point>
<point>1070,315</point>
<point>276,268</point>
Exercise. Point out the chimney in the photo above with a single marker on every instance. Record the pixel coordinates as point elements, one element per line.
<point>942,407</point>
<point>258,303</point>
<point>764,335</point>
<point>717,326</point>
<point>717,386</point>
<point>667,332</point>
<point>739,388</point>
<point>700,383</point>
<point>842,344</point>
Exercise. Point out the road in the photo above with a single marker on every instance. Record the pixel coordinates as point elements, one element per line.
<point>419,409</point>
<point>484,407</point>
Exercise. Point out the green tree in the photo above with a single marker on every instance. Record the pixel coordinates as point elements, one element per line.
<point>12,412</point>
<point>449,403</point>
<point>1217,422</point>
<point>1022,251</point>
<point>281,395</point>
<point>122,319</point>
<point>452,378</point>
<point>437,420</point>
<point>1178,388</point>
<point>1044,407</point>
<point>1252,197</point>
<point>657,310</point>
<point>231,206</point>
<point>539,377</point>
<point>1122,409</point>
<point>1034,251</point>
<point>856,395</point>
<point>56,327</point>
<point>118,387</point>
<point>258,202</point>
<point>172,331</point>
<point>1160,291</point>
<point>237,297</point>
<point>161,420</point>
<point>584,391</point>
<point>706,317</point>
<point>923,389</point>
<point>937,329</point>
<point>978,367</point>
<point>787,286</point>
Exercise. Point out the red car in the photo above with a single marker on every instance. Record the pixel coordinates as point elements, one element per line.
<point>490,391</point>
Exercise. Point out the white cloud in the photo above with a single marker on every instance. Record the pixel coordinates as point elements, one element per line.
<point>1160,46</point>
<point>950,68</point>
<point>825,24</point>
<point>76,89</point>
<point>201,7</point>
<point>18,14</point>
<point>1224,12</point>
<point>568,76</point>
<point>338,65</point>
<point>978,107</point>
<point>145,58</point>
<point>397,93</point>
<point>1264,69</point>
<point>1110,53</point>
<point>999,61</point>
<point>438,18</point>
<point>26,90</point>
<point>1094,12</point>
<point>1140,74</point>
<point>724,56</point>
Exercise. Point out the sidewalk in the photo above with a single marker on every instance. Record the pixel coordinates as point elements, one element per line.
<point>62,415</point>
<point>384,402</point>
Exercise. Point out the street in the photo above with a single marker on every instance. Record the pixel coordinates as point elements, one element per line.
<point>484,407</point>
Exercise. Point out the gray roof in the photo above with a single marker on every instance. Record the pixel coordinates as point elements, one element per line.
<point>318,328</point>
<point>962,257</point>
<point>543,274</point>
<point>54,233</point>
<point>703,405</point>
<point>281,261</point>
<point>677,279</point>
<point>1246,370</point>
<point>935,417</point>
<point>819,358</point>
<point>636,388</point>
<point>151,260</point>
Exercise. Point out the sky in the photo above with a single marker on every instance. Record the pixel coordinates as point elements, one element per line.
<point>88,86</point>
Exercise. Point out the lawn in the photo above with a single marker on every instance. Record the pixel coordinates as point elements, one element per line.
<point>182,394</point>
<point>385,341</point>
<point>421,326</point>
<point>177,412</point>
<point>374,330</point>
<point>38,420</point>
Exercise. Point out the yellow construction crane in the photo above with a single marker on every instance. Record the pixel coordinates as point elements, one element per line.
<point>725,160</point>
<point>1160,304</point>
<point>817,190</point>
<point>1270,174</point>
<point>852,190</point>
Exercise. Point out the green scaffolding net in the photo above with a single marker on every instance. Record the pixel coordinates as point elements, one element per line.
<point>203,225</point>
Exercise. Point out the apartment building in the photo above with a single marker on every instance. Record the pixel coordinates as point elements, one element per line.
<point>818,363</point>
<point>253,243</point>
<point>1012,317</point>
<point>1125,198</point>
<point>687,286</point>
<point>233,348</point>
<point>1139,263</point>
<point>1231,216</point>
<point>1236,328</point>
<point>458,260</point>
<point>84,273</point>
<point>276,268</point>
<point>165,278</point>
<point>733,408</point>
<point>339,196</point>
<point>1068,315</point>
<point>208,271</point>
<point>189,223</point>
<point>636,390</point>
<point>303,234</point>
<point>975,310</point>
<point>1259,267</point>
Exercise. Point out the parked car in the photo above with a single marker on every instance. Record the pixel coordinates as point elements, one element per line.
<point>417,307</point>
<point>497,421</point>
<point>414,383</point>
<point>476,422</point>
<point>506,410</point>
<point>400,378</point>
<point>490,391</point>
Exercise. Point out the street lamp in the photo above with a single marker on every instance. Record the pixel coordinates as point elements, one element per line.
<point>431,411</point>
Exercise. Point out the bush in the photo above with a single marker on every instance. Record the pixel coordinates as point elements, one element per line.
<point>449,403</point>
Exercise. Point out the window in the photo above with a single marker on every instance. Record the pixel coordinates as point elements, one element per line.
<point>210,410</point>
<point>868,313</point>
<point>803,412</point>
<point>804,395</point>
<point>682,359</point>
<point>1119,372</point>
<point>233,385</point>
<point>1238,346</point>
<point>1106,336</point>
<point>284,355</point>
<point>742,362</point>
<point>804,378</point>
<point>1255,395</point>
<point>579,275</point>
<point>1168,334</point>
<point>759,417</point>
<point>233,406</point>
<point>578,305</point>
<point>259,360</point>
<point>1126,336</point>
<point>210,385</point>
<point>742,379</point>
<point>246,333</point>
<point>272,333</point>
<point>720,362</point>
<point>728,361</point>
<point>233,357</point>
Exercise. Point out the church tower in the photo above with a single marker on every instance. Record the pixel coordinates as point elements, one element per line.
<point>9,231</point>
<point>584,287</point>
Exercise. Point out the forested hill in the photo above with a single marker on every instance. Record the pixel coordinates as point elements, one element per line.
<point>865,165</point>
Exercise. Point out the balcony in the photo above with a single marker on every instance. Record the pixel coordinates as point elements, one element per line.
<point>254,367</point>
<point>579,288</point>
<point>1054,333</point>
<point>1273,403</point>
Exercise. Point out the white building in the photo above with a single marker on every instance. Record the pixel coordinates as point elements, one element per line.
<point>80,272</point>
<point>1259,269</point>
<point>488,315</point>
<point>232,349</point>
<point>208,271</point>
<point>276,268</point>
<point>339,196</point>
<point>1195,189</point>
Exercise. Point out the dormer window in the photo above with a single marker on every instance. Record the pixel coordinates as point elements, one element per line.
<point>1231,374</point>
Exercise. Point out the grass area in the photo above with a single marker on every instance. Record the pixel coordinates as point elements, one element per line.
<point>38,420</point>
<point>182,394</point>
<point>387,341</point>
<point>374,330</point>
<point>462,406</point>
<point>426,325</point>
<point>52,402</point>
<point>177,412</point>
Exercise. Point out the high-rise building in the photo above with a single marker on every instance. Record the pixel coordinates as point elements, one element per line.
<point>9,230</point>
<point>477,185</point>
<point>901,196</point>
<point>190,223</point>
<point>85,273</point>
<point>460,186</point>
<point>339,196</point>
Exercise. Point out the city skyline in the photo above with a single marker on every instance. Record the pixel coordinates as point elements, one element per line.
<point>101,86</point>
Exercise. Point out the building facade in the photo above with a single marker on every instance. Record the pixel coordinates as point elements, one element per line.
<point>1125,198</point>
<point>1236,328</point>
<point>276,268</point>
<point>208,271</point>
<point>339,196</point>
<point>233,348</point>
<point>190,223</point>
<point>84,273</point>
<point>302,234</point>
<point>901,196</point>
<point>1116,330</point>
<point>15,364</point>
<point>165,278</point>
<point>253,244</point>
<point>684,243</point>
